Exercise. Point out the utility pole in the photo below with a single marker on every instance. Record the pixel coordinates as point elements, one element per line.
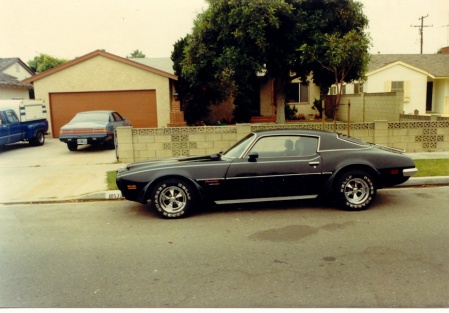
<point>421,28</point>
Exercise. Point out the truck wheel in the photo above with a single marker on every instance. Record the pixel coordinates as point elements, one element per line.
<point>72,146</point>
<point>39,140</point>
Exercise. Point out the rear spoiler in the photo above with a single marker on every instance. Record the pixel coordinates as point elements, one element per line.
<point>390,149</point>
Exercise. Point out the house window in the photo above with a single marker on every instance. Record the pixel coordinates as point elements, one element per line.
<point>298,92</point>
<point>333,90</point>
<point>358,88</point>
<point>343,89</point>
<point>397,86</point>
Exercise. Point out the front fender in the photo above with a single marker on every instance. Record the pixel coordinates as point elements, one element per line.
<point>145,192</point>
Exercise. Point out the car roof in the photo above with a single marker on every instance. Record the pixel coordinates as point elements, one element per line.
<point>97,111</point>
<point>295,131</point>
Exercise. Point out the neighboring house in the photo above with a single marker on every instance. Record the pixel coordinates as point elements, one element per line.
<point>12,72</point>
<point>100,80</point>
<point>298,95</point>
<point>423,79</point>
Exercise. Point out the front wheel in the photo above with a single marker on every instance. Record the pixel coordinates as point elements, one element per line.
<point>173,198</point>
<point>355,191</point>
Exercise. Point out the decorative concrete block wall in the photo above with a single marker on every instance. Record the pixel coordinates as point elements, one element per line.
<point>139,144</point>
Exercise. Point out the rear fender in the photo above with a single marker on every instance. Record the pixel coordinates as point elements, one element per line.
<point>329,185</point>
<point>34,128</point>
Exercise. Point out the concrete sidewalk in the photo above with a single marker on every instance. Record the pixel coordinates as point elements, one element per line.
<point>52,173</point>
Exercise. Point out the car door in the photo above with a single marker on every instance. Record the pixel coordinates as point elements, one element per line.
<point>276,168</point>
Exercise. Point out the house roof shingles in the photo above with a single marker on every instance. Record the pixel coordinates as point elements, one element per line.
<point>8,80</point>
<point>435,64</point>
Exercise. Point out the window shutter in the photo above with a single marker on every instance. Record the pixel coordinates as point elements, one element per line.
<point>387,87</point>
<point>407,91</point>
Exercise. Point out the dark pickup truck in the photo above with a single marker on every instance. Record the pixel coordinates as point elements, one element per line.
<point>22,120</point>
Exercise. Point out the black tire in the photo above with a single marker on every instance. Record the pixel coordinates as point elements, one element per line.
<point>72,146</point>
<point>111,143</point>
<point>38,140</point>
<point>355,190</point>
<point>173,198</point>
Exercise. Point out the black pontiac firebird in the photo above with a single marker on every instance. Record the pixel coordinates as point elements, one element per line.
<point>269,166</point>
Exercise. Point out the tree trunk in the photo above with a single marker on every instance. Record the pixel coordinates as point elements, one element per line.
<point>280,85</point>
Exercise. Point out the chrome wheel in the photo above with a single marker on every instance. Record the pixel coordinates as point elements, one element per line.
<point>356,191</point>
<point>172,199</point>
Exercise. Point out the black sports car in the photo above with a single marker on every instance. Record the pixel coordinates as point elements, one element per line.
<point>269,166</point>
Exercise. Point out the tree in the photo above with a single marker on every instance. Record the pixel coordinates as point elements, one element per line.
<point>339,55</point>
<point>44,62</point>
<point>136,54</point>
<point>235,39</point>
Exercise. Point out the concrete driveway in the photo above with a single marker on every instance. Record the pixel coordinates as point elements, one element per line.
<point>52,172</point>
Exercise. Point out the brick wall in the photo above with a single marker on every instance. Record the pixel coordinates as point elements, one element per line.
<point>139,144</point>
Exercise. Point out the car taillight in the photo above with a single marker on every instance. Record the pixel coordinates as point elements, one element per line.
<point>100,130</point>
<point>394,172</point>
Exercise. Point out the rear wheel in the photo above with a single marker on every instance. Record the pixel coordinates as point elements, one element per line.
<point>38,140</point>
<point>173,198</point>
<point>72,146</point>
<point>355,190</point>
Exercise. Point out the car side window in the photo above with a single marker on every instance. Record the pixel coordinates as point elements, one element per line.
<point>306,146</point>
<point>285,146</point>
<point>117,117</point>
<point>276,146</point>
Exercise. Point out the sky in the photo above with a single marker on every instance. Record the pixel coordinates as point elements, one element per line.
<point>68,29</point>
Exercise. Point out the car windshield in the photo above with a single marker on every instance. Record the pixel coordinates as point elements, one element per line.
<point>91,117</point>
<point>236,150</point>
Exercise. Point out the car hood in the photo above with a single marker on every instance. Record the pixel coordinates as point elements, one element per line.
<point>170,162</point>
<point>84,125</point>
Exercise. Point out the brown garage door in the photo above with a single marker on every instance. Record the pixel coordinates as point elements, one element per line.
<point>137,106</point>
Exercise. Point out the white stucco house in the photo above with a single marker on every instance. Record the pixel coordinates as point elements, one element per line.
<point>12,72</point>
<point>423,78</point>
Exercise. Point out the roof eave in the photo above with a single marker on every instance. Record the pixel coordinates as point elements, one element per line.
<point>88,56</point>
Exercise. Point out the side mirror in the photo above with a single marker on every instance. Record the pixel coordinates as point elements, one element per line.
<point>253,156</point>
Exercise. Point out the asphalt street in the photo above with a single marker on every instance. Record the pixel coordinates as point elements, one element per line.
<point>115,254</point>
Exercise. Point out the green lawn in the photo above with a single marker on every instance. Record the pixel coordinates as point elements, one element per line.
<point>111,180</point>
<point>434,167</point>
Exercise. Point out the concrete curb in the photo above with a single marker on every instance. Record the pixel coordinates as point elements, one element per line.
<point>420,181</point>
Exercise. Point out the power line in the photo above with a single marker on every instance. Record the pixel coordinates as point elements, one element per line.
<point>421,29</point>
